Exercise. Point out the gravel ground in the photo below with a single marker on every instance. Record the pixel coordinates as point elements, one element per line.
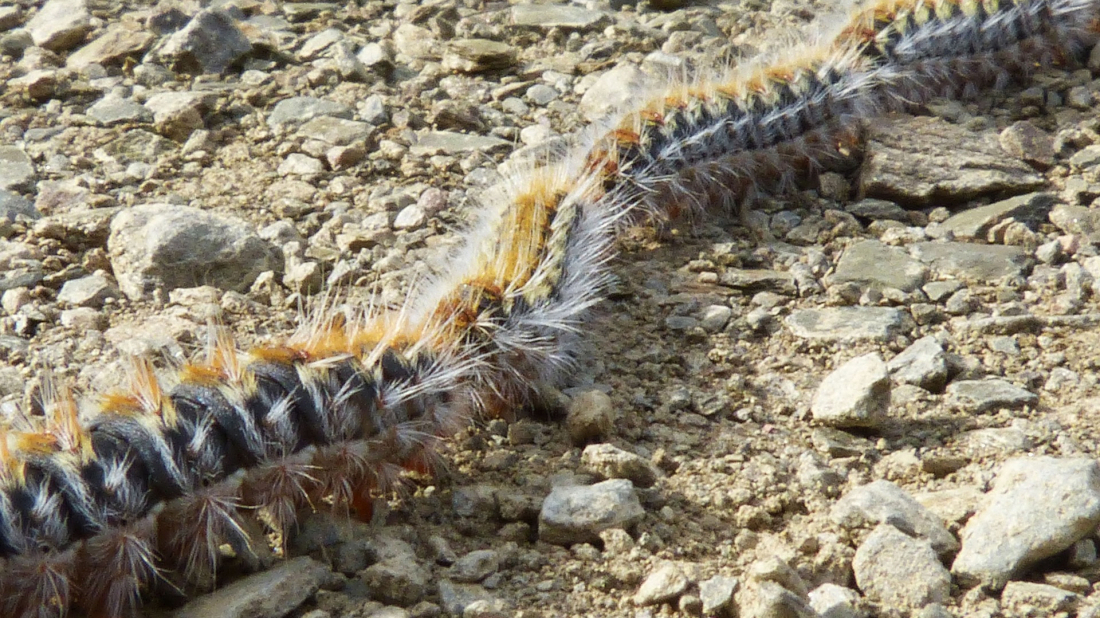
<point>875,399</point>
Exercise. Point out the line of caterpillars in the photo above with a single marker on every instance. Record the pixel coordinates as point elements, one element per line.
<point>92,514</point>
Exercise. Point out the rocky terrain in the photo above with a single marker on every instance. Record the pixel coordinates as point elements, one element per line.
<point>875,397</point>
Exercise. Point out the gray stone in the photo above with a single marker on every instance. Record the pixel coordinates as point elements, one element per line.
<point>1038,507</point>
<point>456,597</point>
<point>90,291</point>
<point>270,594</point>
<point>298,164</point>
<point>878,210</point>
<point>717,595</point>
<point>856,394</point>
<point>613,91</point>
<point>923,363</point>
<point>298,110</point>
<point>756,280</point>
<point>319,42</point>
<point>566,17</point>
<point>136,145</point>
<point>60,24</point>
<point>541,94</point>
<point>117,43</point>
<point>833,601</point>
<point>179,114</point>
<point>410,217</point>
<point>477,55</point>
<point>664,584</point>
<point>336,131</point>
<point>986,395</point>
<point>904,163</point>
<point>1087,157</point>
<point>970,262</point>
<point>1077,220</point>
<point>400,580</point>
<point>900,571</point>
<point>590,418</point>
<point>768,599</point>
<point>210,43</point>
<point>112,110</point>
<point>1024,140</point>
<point>577,514</point>
<point>1031,209</point>
<point>715,318</point>
<point>450,142</point>
<point>872,264</point>
<point>883,502</point>
<point>304,277</point>
<point>848,324</point>
<point>168,246</point>
<point>475,566</point>
<point>611,462</point>
<point>14,206</point>
<point>1032,599</point>
<point>10,17</point>
<point>16,169</point>
<point>940,290</point>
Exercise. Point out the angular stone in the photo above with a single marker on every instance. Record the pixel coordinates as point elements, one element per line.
<point>136,145</point>
<point>856,394</point>
<point>119,42</point>
<point>273,593</point>
<point>717,595</point>
<point>899,571</point>
<point>971,262</point>
<point>905,156</point>
<point>1029,598</point>
<point>112,110</point>
<point>16,169</point>
<point>883,502</point>
<point>477,55</point>
<point>90,291</point>
<point>1024,140</point>
<point>298,110</point>
<point>336,131</point>
<point>577,514</point>
<point>1077,220</point>
<point>756,280</point>
<point>179,114</point>
<point>13,206</point>
<point>60,24</point>
<point>475,566</point>
<point>613,91</point>
<point>872,264</point>
<point>1038,507</point>
<point>450,142</point>
<point>564,16</point>
<point>168,246</point>
<point>1031,210</point>
<point>985,395</point>
<point>612,462</point>
<point>209,43</point>
<point>849,324</point>
<point>923,364</point>
<point>664,584</point>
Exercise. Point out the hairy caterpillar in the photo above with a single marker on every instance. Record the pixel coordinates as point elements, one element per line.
<point>164,474</point>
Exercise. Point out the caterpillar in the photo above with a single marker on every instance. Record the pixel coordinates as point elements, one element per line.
<point>170,467</point>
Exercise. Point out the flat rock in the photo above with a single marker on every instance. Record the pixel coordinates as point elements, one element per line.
<point>971,262</point>
<point>475,566</point>
<point>335,131</point>
<point>612,462</point>
<point>756,280</point>
<point>168,246</point>
<point>900,571</point>
<point>856,394</point>
<point>564,16</point>
<point>578,513</point>
<point>112,110</point>
<point>664,584</point>
<point>60,24</point>
<point>613,91</point>
<point>878,210</point>
<point>117,43</point>
<point>13,206</point>
<point>848,324</point>
<point>298,110</point>
<point>273,593</point>
<point>1032,599</point>
<point>210,43</point>
<point>1031,210</point>
<point>1038,507</point>
<point>477,55</point>
<point>904,162</point>
<point>833,601</point>
<point>883,502</point>
<point>179,114</point>
<point>1077,220</point>
<point>872,264</point>
<point>16,169</point>
<point>400,580</point>
<point>717,594</point>
<point>90,291</point>
<point>450,142</point>
<point>985,395</point>
<point>923,364</point>
<point>135,145</point>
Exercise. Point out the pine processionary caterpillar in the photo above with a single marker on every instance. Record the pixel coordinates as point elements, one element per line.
<point>92,514</point>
